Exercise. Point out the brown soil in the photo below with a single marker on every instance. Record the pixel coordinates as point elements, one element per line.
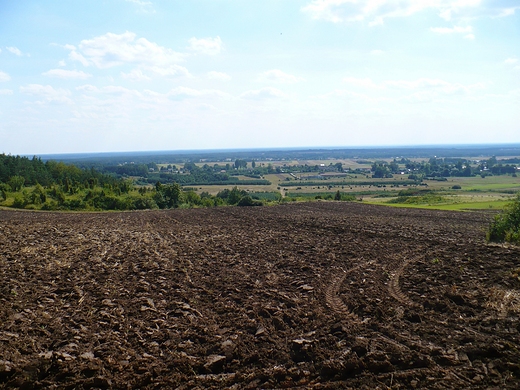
<point>317,295</point>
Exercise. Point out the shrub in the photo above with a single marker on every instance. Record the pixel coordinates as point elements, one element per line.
<point>248,201</point>
<point>19,202</point>
<point>456,187</point>
<point>506,225</point>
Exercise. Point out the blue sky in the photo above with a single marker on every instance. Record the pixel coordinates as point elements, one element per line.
<point>130,75</point>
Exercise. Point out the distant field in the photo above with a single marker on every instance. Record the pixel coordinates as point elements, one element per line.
<point>462,206</point>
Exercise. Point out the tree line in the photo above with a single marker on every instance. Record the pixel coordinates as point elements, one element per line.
<point>34,184</point>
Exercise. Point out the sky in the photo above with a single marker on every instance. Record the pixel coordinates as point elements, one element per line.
<point>136,75</point>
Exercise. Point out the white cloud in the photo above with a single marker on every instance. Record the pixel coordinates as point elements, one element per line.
<point>469,36</point>
<point>264,93</point>
<point>414,84</point>
<point>419,88</point>
<point>172,70</point>
<point>108,90</point>
<point>118,90</point>
<point>135,75</point>
<point>111,50</point>
<point>376,11</point>
<point>218,76</point>
<point>67,74</point>
<point>48,93</point>
<point>511,61</point>
<point>14,50</point>
<point>455,29</point>
<point>210,46</point>
<point>6,92</point>
<point>377,52</point>
<point>139,2</point>
<point>4,76</point>
<point>378,21</point>
<point>145,6</point>
<point>425,90</point>
<point>180,93</point>
<point>62,63</point>
<point>348,95</point>
<point>75,56</point>
<point>364,83</point>
<point>277,75</point>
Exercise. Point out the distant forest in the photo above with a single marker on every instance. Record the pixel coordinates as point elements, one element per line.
<point>126,181</point>
<point>33,184</point>
<point>180,157</point>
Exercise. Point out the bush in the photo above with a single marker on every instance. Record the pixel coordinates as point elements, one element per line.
<point>456,187</point>
<point>506,225</point>
<point>248,201</point>
<point>19,202</point>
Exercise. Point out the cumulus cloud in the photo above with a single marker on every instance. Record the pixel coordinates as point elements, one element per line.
<point>135,75</point>
<point>139,2</point>
<point>172,70</point>
<point>452,30</point>
<point>352,97</point>
<point>262,94</point>
<point>433,84</point>
<point>112,50</point>
<point>6,92</point>
<point>218,76</point>
<point>14,50</point>
<point>278,76</point>
<point>423,87</point>
<point>145,5</point>
<point>209,46</point>
<point>4,76</point>
<point>47,93</point>
<point>109,90</point>
<point>358,82</point>
<point>376,11</point>
<point>180,93</point>
<point>67,74</point>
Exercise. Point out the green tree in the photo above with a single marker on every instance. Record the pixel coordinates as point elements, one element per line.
<point>380,170</point>
<point>16,183</point>
<point>173,195</point>
<point>239,163</point>
<point>38,195</point>
<point>235,195</point>
<point>192,198</point>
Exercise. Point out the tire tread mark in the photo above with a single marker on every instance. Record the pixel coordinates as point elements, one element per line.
<point>333,299</point>
<point>395,289</point>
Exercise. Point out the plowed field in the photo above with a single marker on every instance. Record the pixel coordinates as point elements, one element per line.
<point>315,295</point>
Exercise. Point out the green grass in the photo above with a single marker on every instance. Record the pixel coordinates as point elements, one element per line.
<point>463,206</point>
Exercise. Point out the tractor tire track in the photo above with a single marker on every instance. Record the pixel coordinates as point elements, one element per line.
<point>395,289</point>
<point>334,300</point>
